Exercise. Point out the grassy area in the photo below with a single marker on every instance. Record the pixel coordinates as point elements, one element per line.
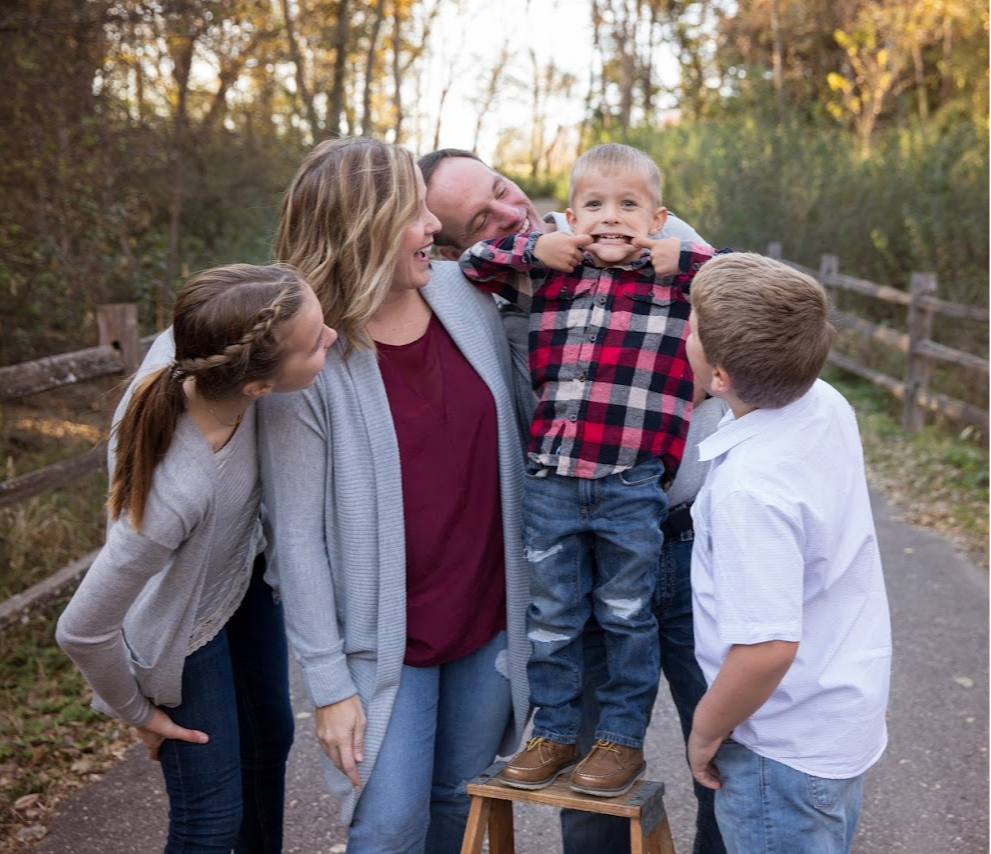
<point>52,742</point>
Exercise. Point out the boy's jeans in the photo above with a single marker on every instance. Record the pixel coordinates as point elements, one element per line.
<point>765,806</point>
<point>583,832</point>
<point>593,547</point>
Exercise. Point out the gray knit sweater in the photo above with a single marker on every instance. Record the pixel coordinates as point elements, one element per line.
<point>334,517</point>
<point>129,625</point>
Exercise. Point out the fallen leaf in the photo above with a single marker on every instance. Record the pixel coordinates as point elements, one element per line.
<point>964,681</point>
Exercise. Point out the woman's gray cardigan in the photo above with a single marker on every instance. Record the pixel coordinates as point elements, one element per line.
<point>334,519</point>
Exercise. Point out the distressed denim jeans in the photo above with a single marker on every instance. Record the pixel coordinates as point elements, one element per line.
<point>592,547</point>
<point>586,832</point>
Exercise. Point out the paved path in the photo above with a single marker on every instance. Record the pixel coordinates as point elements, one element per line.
<point>928,794</point>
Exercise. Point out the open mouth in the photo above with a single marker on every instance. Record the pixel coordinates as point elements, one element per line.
<point>612,239</point>
<point>423,253</point>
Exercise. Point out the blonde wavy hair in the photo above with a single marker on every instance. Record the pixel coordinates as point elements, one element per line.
<point>341,222</point>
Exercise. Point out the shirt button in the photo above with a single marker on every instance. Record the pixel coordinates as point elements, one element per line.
<point>572,417</point>
<point>602,299</point>
<point>591,336</point>
<point>564,289</point>
<point>580,378</point>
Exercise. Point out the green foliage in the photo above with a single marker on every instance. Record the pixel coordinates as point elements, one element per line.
<point>918,202</point>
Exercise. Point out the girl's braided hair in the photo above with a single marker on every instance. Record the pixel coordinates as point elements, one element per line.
<point>229,328</point>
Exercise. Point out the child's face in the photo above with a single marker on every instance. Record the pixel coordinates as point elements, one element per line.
<point>697,358</point>
<point>614,208</point>
<point>305,347</point>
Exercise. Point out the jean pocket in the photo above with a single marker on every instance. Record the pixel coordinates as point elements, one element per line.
<point>643,472</point>
<point>825,793</point>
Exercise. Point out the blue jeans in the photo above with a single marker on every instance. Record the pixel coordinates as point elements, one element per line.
<point>446,727</point>
<point>764,806</point>
<point>230,793</point>
<point>592,546</point>
<point>585,832</point>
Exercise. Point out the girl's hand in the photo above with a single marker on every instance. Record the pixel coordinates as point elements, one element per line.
<point>161,727</point>
<point>341,731</point>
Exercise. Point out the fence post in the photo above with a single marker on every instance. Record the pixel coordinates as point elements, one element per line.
<point>118,327</point>
<point>774,250</point>
<point>920,320</point>
<point>829,265</point>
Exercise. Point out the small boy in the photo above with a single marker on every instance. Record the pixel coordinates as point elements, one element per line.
<point>791,617</point>
<point>607,359</point>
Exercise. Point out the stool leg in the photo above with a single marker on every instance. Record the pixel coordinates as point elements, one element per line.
<point>478,819</point>
<point>660,841</point>
<point>502,839</point>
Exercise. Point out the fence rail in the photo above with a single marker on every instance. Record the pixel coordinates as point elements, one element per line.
<point>921,304</point>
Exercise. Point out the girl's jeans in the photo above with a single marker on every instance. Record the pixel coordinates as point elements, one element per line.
<point>229,794</point>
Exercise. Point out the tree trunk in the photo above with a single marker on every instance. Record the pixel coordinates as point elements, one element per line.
<point>297,59</point>
<point>366,101</point>
<point>336,107</point>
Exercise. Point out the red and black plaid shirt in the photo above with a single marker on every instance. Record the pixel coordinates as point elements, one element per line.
<point>607,354</point>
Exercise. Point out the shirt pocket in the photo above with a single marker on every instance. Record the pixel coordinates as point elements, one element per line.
<point>655,309</point>
<point>564,304</point>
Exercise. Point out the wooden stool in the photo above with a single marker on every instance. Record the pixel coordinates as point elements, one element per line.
<point>492,807</point>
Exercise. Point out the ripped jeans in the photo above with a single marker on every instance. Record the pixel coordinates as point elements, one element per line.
<point>593,547</point>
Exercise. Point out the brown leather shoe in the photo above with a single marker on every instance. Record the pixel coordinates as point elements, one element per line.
<point>609,770</point>
<point>540,764</point>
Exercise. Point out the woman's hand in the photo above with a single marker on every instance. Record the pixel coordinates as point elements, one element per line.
<point>161,727</point>
<point>341,731</point>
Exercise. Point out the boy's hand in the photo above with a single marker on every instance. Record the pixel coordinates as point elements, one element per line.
<point>560,251</point>
<point>664,254</point>
<point>700,753</point>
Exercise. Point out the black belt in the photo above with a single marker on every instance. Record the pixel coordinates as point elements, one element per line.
<point>679,520</point>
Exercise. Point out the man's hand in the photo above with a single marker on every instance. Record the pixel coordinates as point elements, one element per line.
<point>700,753</point>
<point>664,254</point>
<point>560,251</point>
<point>341,731</point>
<point>161,727</point>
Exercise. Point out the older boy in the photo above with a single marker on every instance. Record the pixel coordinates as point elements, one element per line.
<point>791,617</point>
<point>607,358</point>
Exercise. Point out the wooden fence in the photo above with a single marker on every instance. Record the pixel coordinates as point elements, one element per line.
<point>119,352</point>
<point>120,349</point>
<point>921,304</point>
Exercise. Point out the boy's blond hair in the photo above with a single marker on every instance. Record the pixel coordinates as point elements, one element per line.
<point>613,157</point>
<point>765,324</point>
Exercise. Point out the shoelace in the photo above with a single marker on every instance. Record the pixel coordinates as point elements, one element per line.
<point>606,745</point>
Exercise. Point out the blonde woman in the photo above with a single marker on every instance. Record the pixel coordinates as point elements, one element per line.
<point>393,490</point>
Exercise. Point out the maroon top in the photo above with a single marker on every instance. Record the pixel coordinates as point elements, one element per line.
<point>445,422</point>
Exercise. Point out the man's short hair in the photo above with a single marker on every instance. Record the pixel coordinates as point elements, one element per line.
<point>428,165</point>
<point>614,157</point>
<point>765,324</point>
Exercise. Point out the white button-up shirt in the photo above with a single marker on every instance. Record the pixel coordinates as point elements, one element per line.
<point>785,549</point>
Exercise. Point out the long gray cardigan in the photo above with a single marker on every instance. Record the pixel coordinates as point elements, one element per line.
<point>334,518</point>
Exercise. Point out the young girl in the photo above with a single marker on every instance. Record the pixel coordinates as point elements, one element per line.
<point>173,626</point>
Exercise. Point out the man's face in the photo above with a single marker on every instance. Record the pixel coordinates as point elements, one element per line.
<point>474,203</point>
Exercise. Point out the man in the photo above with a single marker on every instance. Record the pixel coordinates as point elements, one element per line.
<point>473,202</point>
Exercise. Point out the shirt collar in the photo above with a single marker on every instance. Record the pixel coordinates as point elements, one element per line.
<point>734,431</point>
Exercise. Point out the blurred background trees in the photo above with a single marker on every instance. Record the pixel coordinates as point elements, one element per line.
<point>144,140</point>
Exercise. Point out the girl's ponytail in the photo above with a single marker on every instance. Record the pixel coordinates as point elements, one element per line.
<point>143,437</point>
